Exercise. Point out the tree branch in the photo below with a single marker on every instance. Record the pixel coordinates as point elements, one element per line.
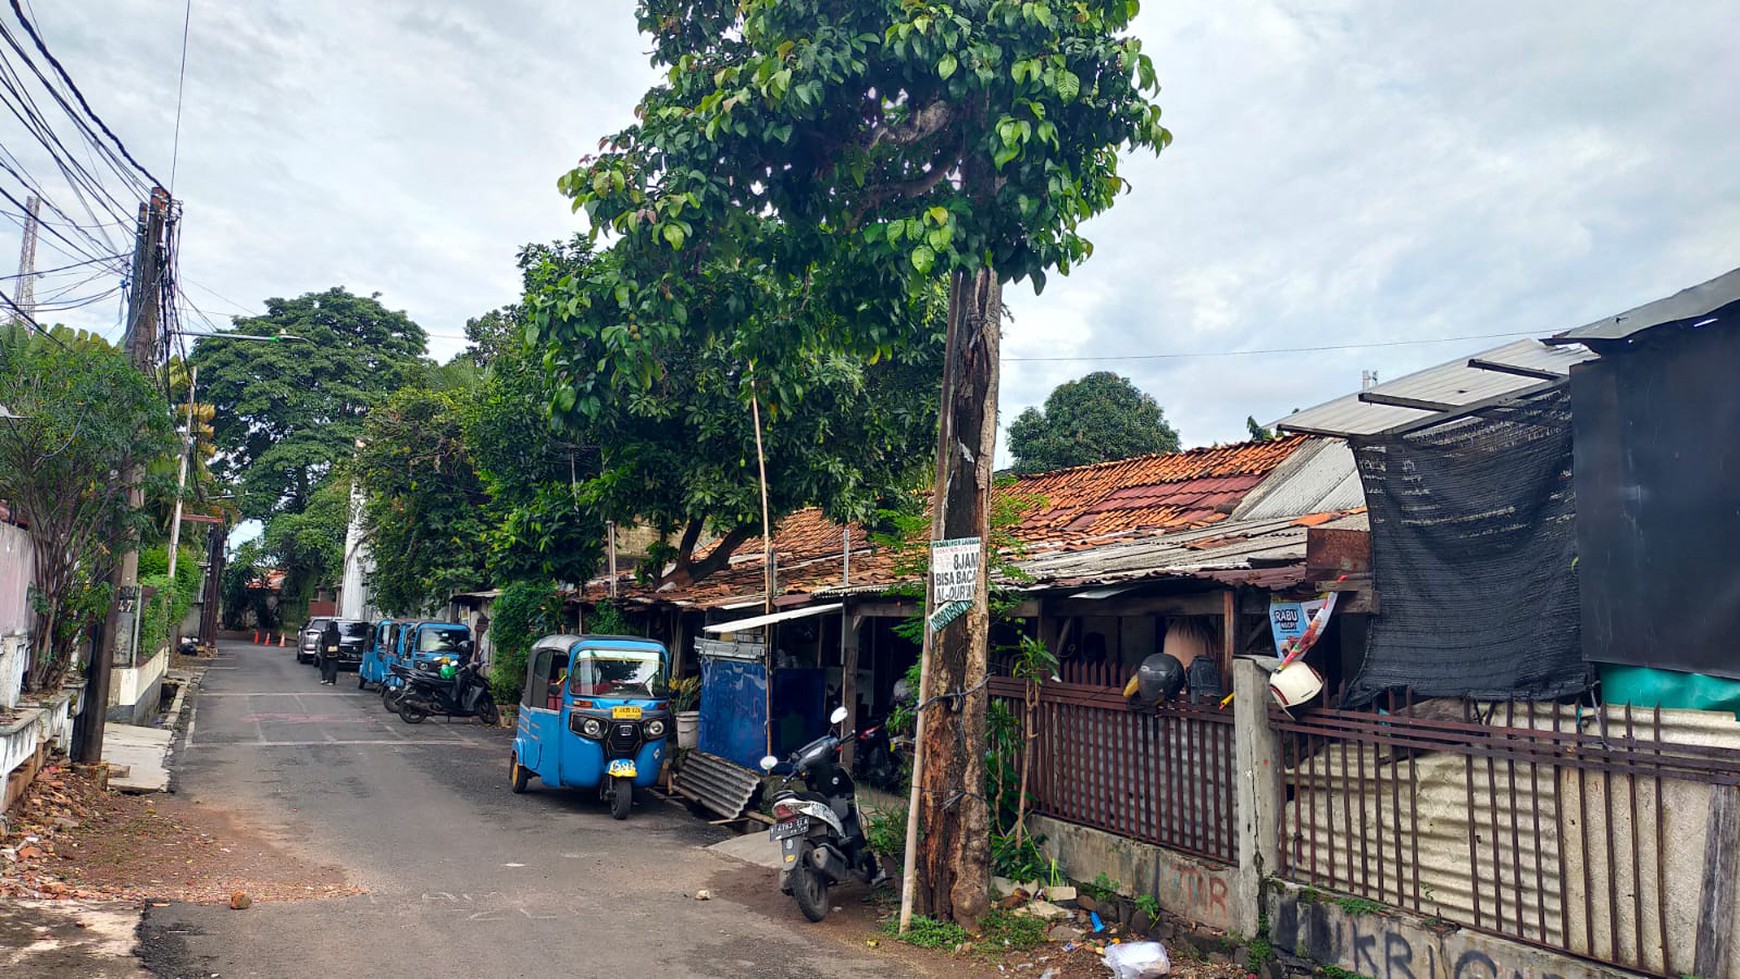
<point>924,123</point>
<point>688,572</point>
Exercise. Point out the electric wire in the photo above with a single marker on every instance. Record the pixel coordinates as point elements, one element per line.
<point>1183,355</point>
<point>30,29</point>
<point>180,88</point>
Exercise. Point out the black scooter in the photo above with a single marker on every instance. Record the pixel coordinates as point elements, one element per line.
<point>464,695</point>
<point>877,760</point>
<point>819,831</point>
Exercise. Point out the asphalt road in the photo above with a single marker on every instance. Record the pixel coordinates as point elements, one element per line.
<point>459,876</point>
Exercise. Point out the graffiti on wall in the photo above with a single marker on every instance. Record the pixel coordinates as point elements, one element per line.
<point>1194,892</point>
<point>1388,948</point>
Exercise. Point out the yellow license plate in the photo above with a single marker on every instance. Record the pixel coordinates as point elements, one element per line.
<point>621,768</point>
<point>625,713</point>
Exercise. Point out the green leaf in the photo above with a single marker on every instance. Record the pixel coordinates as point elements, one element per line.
<point>1068,85</point>
<point>1004,155</point>
<point>922,259</point>
<point>938,214</point>
<point>947,65</point>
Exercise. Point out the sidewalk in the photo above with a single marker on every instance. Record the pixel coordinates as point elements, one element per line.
<point>70,939</point>
<point>143,752</point>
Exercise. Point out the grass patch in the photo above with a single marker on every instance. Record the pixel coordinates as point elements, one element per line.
<point>1007,930</point>
<point>927,932</point>
<point>1337,972</point>
<point>1358,905</point>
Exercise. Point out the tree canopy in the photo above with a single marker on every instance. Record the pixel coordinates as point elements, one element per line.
<point>1096,418</point>
<point>285,412</point>
<point>803,167</point>
<point>83,415</point>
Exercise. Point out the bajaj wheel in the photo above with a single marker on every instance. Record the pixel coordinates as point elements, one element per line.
<point>810,888</point>
<point>361,684</point>
<point>621,797</point>
<point>487,712</point>
<point>411,712</point>
<point>520,775</point>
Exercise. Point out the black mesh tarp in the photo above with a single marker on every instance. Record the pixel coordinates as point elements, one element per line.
<point>1658,480</point>
<point>1474,538</point>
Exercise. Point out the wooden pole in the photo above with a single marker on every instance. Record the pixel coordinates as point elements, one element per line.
<point>766,562</point>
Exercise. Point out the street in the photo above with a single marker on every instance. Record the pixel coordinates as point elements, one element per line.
<point>456,875</point>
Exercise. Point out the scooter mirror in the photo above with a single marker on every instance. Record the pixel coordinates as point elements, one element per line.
<point>838,715</point>
<point>768,762</point>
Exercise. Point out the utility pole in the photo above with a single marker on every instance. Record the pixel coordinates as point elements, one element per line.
<point>121,628</point>
<point>27,263</point>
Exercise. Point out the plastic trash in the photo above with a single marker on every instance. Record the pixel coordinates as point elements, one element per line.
<point>1138,960</point>
<point>1098,924</point>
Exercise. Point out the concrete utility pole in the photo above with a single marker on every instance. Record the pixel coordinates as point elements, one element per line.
<point>121,628</point>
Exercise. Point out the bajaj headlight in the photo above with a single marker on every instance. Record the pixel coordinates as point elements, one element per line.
<point>592,727</point>
<point>655,728</point>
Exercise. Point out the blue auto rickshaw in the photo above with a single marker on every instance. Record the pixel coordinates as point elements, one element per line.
<point>422,645</point>
<point>379,654</point>
<point>593,715</point>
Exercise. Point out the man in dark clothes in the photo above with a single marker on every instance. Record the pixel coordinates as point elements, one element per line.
<point>329,653</point>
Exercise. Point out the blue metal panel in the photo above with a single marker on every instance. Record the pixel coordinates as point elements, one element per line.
<point>733,710</point>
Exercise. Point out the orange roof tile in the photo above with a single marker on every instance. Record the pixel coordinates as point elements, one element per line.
<point>1168,490</point>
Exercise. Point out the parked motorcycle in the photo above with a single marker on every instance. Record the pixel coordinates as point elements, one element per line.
<point>819,831</point>
<point>453,691</point>
<point>879,760</point>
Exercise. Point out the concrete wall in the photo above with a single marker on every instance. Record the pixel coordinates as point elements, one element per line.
<point>1385,945</point>
<point>135,690</point>
<point>1196,889</point>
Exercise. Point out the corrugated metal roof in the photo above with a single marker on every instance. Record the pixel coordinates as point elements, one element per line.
<point>1228,548</point>
<point>1319,477</point>
<point>1686,306</point>
<point>1490,375</point>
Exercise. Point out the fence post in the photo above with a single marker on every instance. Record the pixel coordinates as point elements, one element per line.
<point>1256,791</point>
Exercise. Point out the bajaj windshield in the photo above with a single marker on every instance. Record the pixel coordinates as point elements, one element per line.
<point>614,673</point>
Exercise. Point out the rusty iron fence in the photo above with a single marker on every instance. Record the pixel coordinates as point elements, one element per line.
<point>1574,828</point>
<point>1162,776</point>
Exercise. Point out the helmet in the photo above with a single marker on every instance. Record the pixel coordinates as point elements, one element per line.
<point>1160,677</point>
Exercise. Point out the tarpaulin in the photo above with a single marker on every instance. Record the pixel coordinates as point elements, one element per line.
<point>1658,477</point>
<point>733,710</point>
<point>1474,546</point>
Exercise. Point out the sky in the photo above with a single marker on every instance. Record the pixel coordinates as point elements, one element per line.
<point>1347,174</point>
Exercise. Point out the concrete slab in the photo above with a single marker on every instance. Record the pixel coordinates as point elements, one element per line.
<point>70,939</point>
<point>144,751</point>
<point>754,848</point>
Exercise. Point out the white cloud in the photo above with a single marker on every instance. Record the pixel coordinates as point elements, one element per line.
<point>1345,171</point>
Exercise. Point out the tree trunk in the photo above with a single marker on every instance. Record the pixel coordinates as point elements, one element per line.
<point>955,857</point>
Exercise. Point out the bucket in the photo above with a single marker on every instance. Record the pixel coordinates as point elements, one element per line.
<point>1295,684</point>
<point>688,728</point>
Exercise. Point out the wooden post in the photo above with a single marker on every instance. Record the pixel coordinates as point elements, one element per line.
<point>1710,957</point>
<point>1229,613</point>
<point>849,624</point>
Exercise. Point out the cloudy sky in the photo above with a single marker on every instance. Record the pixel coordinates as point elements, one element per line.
<point>1345,172</point>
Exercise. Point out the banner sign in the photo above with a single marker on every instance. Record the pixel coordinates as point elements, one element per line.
<point>1288,620</point>
<point>954,570</point>
<point>1313,617</point>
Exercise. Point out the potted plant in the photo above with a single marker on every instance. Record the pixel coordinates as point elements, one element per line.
<point>685,694</point>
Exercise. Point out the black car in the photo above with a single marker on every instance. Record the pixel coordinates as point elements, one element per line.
<point>353,640</point>
<point>308,644</point>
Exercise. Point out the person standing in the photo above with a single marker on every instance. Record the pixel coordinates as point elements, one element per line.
<point>329,653</point>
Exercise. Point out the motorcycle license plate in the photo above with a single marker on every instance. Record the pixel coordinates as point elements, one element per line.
<point>796,827</point>
<point>621,768</point>
<point>625,713</point>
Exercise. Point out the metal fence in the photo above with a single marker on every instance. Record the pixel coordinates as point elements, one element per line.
<point>1160,776</point>
<point>1573,828</point>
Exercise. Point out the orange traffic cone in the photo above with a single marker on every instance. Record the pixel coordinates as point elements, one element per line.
<point>256,637</point>
<point>280,640</point>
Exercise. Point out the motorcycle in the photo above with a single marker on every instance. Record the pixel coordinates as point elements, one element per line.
<point>819,831</point>
<point>878,760</point>
<point>463,694</point>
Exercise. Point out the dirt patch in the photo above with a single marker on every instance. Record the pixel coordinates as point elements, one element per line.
<point>859,921</point>
<point>73,840</point>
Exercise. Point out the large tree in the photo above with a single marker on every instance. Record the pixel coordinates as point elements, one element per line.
<point>816,156</point>
<point>286,412</point>
<point>82,415</point>
<point>423,505</point>
<point>1097,418</point>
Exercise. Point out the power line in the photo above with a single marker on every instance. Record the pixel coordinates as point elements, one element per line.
<point>180,87</point>
<point>1275,350</point>
<point>30,29</point>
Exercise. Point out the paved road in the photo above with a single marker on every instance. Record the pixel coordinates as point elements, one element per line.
<point>461,878</point>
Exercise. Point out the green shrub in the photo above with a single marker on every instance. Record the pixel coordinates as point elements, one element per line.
<point>525,612</point>
<point>885,833</point>
<point>927,932</point>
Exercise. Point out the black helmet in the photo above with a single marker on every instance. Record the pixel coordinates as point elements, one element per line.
<point>1160,677</point>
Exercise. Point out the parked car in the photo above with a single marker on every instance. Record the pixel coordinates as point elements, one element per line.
<point>309,642</point>
<point>353,642</point>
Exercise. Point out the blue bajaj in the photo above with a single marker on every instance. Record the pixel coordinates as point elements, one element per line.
<point>379,654</point>
<point>593,716</point>
<point>425,646</point>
